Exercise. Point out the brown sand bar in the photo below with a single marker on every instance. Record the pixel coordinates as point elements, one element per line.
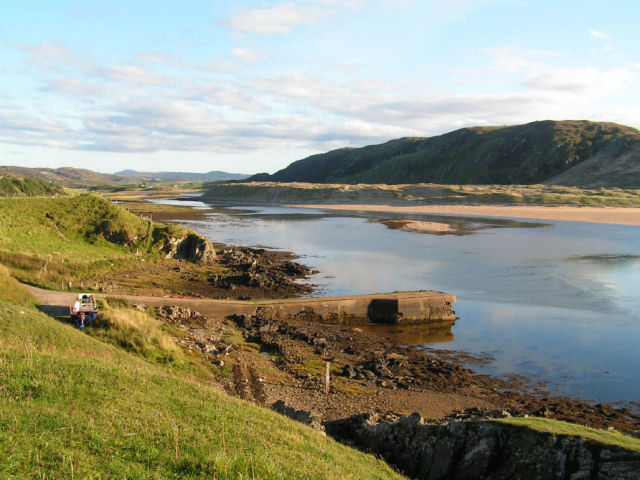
<point>610,215</point>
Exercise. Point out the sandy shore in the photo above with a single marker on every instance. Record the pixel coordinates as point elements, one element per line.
<point>610,215</point>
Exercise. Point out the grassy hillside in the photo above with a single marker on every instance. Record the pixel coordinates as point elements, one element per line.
<point>72,406</point>
<point>522,154</point>
<point>28,187</point>
<point>83,240</point>
<point>422,194</point>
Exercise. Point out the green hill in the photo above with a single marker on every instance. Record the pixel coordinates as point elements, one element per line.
<point>28,187</point>
<point>72,406</point>
<point>576,153</point>
<point>83,239</point>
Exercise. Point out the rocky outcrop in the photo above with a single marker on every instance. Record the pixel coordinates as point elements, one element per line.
<point>196,249</point>
<point>258,268</point>
<point>185,245</point>
<point>483,450</point>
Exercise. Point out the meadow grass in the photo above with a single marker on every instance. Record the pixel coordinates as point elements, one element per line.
<point>557,427</point>
<point>72,406</point>
<point>86,240</point>
<point>136,332</point>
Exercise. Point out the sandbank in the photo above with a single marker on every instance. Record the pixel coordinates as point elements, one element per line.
<point>608,215</point>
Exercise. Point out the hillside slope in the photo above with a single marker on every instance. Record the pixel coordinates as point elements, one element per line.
<point>28,187</point>
<point>522,154</point>
<point>49,241</point>
<point>72,406</point>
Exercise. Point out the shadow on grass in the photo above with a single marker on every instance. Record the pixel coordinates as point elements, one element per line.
<point>59,312</point>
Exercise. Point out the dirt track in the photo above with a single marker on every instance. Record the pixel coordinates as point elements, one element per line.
<point>58,303</point>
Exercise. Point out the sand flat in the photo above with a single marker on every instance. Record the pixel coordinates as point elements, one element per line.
<point>608,215</point>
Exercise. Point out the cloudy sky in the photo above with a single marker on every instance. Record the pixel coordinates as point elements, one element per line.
<point>249,86</point>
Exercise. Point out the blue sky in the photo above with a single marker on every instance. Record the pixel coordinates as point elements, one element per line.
<point>250,86</point>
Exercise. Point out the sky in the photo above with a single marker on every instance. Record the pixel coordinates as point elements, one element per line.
<point>250,86</point>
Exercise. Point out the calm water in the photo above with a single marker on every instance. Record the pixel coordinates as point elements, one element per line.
<point>554,301</point>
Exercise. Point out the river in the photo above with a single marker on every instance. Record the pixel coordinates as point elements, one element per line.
<point>557,302</point>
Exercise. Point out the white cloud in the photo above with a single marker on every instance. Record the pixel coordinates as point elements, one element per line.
<point>284,17</point>
<point>599,34</point>
<point>245,54</point>
<point>74,87</point>
<point>51,56</point>
<point>590,81</point>
<point>133,74</point>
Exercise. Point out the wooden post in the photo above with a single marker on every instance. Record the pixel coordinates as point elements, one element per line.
<point>327,377</point>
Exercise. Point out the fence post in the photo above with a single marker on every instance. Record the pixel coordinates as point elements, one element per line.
<point>327,377</point>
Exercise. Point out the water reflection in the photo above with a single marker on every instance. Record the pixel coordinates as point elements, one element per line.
<point>436,332</point>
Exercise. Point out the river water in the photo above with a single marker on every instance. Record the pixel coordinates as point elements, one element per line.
<point>557,302</point>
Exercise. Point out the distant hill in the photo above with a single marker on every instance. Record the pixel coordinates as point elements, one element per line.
<point>79,177</point>
<point>213,176</point>
<point>575,153</point>
<point>67,176</point>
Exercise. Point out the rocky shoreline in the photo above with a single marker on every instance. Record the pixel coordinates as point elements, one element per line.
<point>284,359</point>
<point>376,382</point>
<point>482,448</point>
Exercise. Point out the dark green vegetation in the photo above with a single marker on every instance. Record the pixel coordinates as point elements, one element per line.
<point>423,194</point>
<point>576,153</point>
<point>28,187</point>
<point>72,406</point>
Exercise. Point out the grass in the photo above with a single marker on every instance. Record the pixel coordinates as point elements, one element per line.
<point>556,427</point>
<point>11,291</point>
<point>95,245</point>
<point>73,406</point>
<point>28,187</point>
<point>138,333</point>
<point>426,194</point>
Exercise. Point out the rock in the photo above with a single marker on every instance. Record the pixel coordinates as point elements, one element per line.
<point>195,248</point>
<point>348,371</point>
<point>302,416</point>
<point>368,374</point>
<point>483,449</point>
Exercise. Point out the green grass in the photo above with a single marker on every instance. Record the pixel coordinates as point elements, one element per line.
<point>28,187</point>
<point>138,333</point>
<point>556,427</point>
<point>72,406</point>
<point>11,291</point>
<point>84,240</point>
<point>426,194</point>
